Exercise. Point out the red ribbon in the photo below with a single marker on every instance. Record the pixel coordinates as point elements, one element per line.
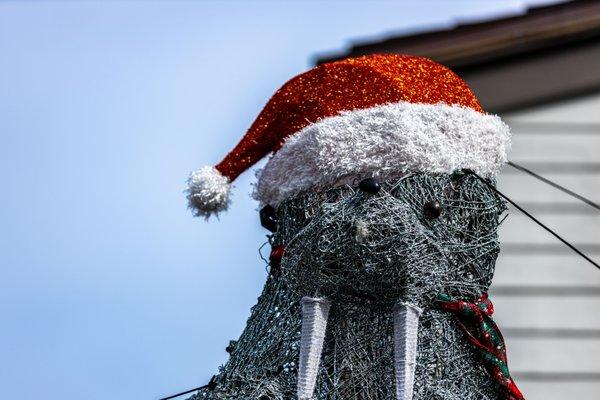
<point>275,257</point>
<point>475,320</point>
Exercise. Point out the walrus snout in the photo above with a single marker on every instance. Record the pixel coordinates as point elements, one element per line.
<point>363,246</point>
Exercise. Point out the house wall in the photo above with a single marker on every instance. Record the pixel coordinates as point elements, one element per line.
<point>547,298</point>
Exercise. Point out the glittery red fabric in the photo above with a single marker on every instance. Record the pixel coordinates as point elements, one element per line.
<point>350,84</point>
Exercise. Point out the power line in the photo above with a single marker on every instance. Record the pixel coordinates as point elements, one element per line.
<point>556,235</point>
<point>182,393</point>
<point>555,185</point>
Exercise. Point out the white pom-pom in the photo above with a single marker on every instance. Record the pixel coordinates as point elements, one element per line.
<point>207,192</point>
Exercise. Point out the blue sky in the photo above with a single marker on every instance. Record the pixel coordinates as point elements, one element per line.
<point>109,289</point>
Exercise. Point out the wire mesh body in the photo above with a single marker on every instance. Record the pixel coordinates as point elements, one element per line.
<point>364,253</point>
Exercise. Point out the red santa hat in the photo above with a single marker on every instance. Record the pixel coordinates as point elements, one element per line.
<point>374,116</point>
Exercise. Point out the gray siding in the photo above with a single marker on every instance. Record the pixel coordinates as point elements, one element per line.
<point>547,299</point>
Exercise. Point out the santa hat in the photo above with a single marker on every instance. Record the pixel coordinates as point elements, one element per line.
<point>375,116</point>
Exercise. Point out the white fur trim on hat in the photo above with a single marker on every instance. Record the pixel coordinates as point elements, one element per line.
<point>383,142</point>
<point>207,192</point>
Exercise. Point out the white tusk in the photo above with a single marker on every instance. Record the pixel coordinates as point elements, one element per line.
<point>406,329</point>
<point>314,322</point>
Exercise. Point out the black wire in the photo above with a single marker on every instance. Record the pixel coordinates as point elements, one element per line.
<point>555,185</point>
<point>182,393</point>
<point>576,250</point>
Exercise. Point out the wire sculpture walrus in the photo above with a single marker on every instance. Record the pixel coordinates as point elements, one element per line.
<point>379,194</point>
